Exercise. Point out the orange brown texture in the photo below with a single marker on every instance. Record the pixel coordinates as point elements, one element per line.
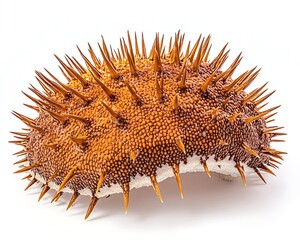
<point>132,112</point>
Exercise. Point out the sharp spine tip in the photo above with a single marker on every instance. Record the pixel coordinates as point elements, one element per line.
<point>234,116</point>
<point>241,172</point>
<point>110,110</point>
<point>62,119</point>
<point>177,176</point>
<point>79,118</point>
<point>133,92</point>
<point>33,181</point>
<point>92,204</point>
<point>203,162</point>
<point>260,115</point>
<point>126,189</point>
<point>109,64</point>
<point>51,145</point>
<point>266,169</point>
<point>43,192</point>
<point>157,62</point>
<point>250,150</point>
<point>222,142</point>
<point>208,81</point>
<point>130,57</point>
<point>260,175</point>
<point>25,169</point>
<point>54,175</point>
<point>180,144</point>
<point>100,181</point>
<point>176,104</point>
<point>56,197</point>
<point>182,76</point>
<point>73,199</point>
<point>27,177</point>
<point>107,91</point>
<point>78,141</point>
<point>21,161</point>
<point>156,187</point>
<point>67,178</point>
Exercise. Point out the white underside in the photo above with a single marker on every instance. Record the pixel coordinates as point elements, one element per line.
<point>224,167</point>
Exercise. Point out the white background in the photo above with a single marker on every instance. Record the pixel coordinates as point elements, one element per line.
<point>268,34</point>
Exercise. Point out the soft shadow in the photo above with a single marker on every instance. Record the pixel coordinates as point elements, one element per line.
<point>204,197</point>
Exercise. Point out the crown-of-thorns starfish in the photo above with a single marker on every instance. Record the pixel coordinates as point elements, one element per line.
<point>133,119</point>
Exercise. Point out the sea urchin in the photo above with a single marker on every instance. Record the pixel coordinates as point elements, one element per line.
<point>133,119</point>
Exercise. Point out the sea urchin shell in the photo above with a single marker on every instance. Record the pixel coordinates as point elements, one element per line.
<point>133,119</point>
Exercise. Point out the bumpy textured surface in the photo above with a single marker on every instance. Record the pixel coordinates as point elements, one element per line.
<point>132,113</point>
